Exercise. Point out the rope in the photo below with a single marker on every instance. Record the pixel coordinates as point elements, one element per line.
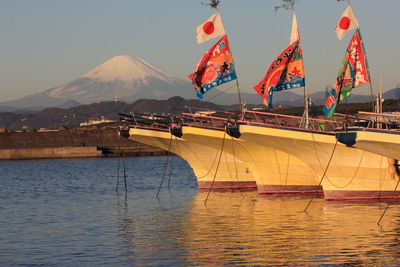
<point>223,92</point>
<point>216,170</point>
<point>166,165</point>
<point>287,173</point>
<point>387,207</point>
<point>208,172</point>
<point>117,186</point>
<point>170,172</point>
<point>352,178</point>
<point>126,187</point>
<point>330,181</point>
<point>215,159</point>
<point>234,161</point>
<point>322,178</point>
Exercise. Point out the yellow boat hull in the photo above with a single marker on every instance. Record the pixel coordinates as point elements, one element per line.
<point>202,159</point>
<point>346,173</point>
<point>274,171</point>
<point>384,143</point>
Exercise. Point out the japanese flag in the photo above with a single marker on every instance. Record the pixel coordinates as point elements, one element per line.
<point>210,29</point>
<point>347,22</point>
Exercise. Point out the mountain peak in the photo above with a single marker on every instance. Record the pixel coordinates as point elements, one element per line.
<point>124,77</point>
<point>127,68</point>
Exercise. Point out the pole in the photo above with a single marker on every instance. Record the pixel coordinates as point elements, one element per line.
<point>368,72</point>
<point>295,34</point>
<point>237,79</point>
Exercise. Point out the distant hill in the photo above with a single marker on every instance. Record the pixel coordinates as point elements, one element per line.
<point>71,117</point>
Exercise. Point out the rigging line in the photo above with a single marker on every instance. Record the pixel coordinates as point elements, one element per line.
<point>279,169</point>
<point>380,176</point>
<point>352,178</point>
<point>170,171</point>
<point>322,178</point>
<point>126,187</point>
<point>320,164</point>
<point>287,171</point>
<point>209,170</point>
<point>228,166</point>
<point>216,170</point>
<point>234,161</point>
<point>387,207</point>
<point>221,93</point>
<point>212,166</point>
<point>117,186</point>
<point>166,165</point>
<point>177,147</point>
<point>316,151</point>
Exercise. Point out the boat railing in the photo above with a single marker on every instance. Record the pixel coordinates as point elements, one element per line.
<point>376,120</point>
<point>291,121</point>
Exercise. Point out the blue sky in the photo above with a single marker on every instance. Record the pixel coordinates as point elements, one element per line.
<point>46,43</point>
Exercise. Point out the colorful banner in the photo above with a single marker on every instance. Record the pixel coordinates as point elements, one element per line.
<point>353,72</point>
<point>214,68</point>
<point>286,72</point>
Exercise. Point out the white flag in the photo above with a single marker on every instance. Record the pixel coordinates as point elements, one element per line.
<point>347,22</point>
<point>295,35</point>
<point>210,29</point>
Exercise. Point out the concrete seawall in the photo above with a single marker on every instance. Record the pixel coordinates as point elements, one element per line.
<point>71,143</point>
<point>52,152</point>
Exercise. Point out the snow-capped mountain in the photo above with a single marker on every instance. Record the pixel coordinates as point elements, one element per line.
<point>124,77</point>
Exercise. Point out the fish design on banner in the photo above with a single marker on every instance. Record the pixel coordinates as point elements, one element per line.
<point>286,72</point>
<point>353,72</point>
<point>216,67</point>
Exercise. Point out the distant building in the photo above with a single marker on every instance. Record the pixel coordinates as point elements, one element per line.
<point>210,112</point>
<point>95,122</point>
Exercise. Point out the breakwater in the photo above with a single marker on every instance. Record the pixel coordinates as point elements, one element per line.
<point>67,143</point>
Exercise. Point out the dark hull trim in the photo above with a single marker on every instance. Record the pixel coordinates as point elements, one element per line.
<point>228,185</point>
<point>360,195</point>
<point>289,189</point>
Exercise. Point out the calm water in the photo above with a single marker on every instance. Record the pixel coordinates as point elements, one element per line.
<point>66,212</point>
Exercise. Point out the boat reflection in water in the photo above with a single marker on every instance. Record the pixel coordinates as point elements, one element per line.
<point>247,228</point>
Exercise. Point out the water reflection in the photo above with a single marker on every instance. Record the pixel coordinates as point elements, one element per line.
<point>249,229</point>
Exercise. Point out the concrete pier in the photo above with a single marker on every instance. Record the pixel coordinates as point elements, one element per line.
<point>71,143</point>
<point>51,152</point>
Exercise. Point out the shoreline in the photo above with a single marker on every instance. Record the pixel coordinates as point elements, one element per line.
<point>71,143</point>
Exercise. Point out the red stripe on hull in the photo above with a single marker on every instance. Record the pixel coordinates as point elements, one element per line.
<point>227,185</point>
<point>289,189</point>
<point>360,195</point>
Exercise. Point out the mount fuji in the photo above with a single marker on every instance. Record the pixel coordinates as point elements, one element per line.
<point>126,78</point>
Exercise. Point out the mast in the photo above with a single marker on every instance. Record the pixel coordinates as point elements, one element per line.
<point>295,35</point>
<point>368,72</point>
<point>237,79</point>
<point>379,102</point>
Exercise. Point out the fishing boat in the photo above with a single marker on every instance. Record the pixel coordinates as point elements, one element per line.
<point>344,173</point>
<point>212,169</point>
<point>378,133</point>
<point>275,171</point>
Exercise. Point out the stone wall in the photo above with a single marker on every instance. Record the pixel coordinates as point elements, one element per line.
<point>70,143</point>
<point>52,152</point>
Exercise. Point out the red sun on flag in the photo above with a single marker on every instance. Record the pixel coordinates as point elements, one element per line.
<point>344,23</point>
<point>208,27</point>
